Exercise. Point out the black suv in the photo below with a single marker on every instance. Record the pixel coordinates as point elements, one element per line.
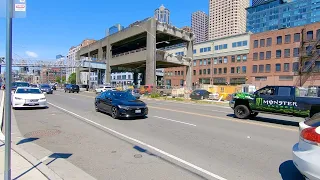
<point>71,88</point>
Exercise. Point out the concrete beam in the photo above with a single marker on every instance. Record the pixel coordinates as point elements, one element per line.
<point>189,67</point>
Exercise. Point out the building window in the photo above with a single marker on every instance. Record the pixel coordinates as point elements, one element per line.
<point>194,51</point>
<point>262,42</point>
<point>220,70</point>
<point>225,60</point>
<point>261,55</point>
<point>296,37</point>
<point>215,71</point>
<point>200,71</point>
<point>269,42</point>
<point>181,73</point>
<point>200,62</point>
<point>233,59</point>
<point>204,71</point>
<point>238,70</point>
<point>238,58</point>
<point>244,43</point>
<point>263,78</point>
<point>255,56</point>
<point>244,69</point>
<point>255,43</point>
<point>220,60</point>
<point>261,68</point>
<point>268,55</point>
<point>232,70</point>
<point>234,44</point>
<point>194,62</point>
<point>295,52</point>
<point>309,50</point>
<point>287,53</point>
<point>204,62</point>
<point>318,34</point>
<point>215,61</point>
<point>244,57</point>
<point>278,67</point>
<point>278,53</point>
<point>286,67</point>
<point>124,77</point>
<point>286,78</point>
<point>309,35</point>
<point>279,39</point>
<point>208,71</point>
<point>194,72</point>
<point>209,61</point>
<point>287,38</point>
<point>268,67</point>
<point>225,70</point>
<point>129,76</point>
<point>254,68</point>
<point>295,67</point>
<point>175,73</point>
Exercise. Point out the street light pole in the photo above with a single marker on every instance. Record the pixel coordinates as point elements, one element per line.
<point>7,164</point>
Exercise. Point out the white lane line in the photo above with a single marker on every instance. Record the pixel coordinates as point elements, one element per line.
<point>175,121</point>
<point>145,144</point>
<point>221,111</point>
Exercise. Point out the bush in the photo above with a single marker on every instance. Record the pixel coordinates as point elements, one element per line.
<point>155,95</point>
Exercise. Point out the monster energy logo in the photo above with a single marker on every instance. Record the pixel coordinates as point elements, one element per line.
<point>259,101</point>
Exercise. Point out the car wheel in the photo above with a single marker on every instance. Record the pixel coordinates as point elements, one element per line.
<point>96,107</point>
<point>65,91</point>
<point>253,115</point>
<point>242,111</point>
<point>77,91</point>
<point>114,113</point>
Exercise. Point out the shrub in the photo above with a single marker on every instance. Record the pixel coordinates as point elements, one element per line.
<point>155,95</point>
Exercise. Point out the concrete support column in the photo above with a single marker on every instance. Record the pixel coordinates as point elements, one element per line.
<point>77,76</point>
<point>151,53</point>
<point>100,53</point>
<point>189,68</point>
<point>108,68</point>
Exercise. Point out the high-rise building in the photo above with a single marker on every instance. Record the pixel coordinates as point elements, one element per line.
<point>227,17</point>
<point>280,14</point>
<point>200,26</point>
<point>162,14</point>
<point>114,29</point>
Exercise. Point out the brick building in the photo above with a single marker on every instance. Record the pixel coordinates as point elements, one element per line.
<point>275,56</point>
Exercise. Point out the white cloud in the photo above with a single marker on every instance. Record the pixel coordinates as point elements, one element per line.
<point>32,54</point>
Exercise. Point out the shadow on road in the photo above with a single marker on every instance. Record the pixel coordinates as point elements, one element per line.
<point>289,171</point>
<point>26,140</point>
<point>271,120</point>
<point>32,108</point>
<point>140,149</point>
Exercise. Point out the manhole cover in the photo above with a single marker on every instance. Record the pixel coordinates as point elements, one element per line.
<point>138,156</point>
<point>42,133</point>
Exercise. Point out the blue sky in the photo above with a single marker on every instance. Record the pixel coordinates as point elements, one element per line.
<point>52,27</point>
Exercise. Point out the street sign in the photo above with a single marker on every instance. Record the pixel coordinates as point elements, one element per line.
<point>19,8</point>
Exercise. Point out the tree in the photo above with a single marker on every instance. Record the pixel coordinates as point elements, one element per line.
<point>58,80</point>
<point>72,78</point>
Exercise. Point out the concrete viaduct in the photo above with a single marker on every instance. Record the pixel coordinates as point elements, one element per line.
<point>139,48</point>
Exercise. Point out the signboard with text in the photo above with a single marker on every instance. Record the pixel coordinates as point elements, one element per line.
<point>19,8</point>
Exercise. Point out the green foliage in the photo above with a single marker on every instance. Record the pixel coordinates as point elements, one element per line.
<point>72,78</point>
<point>155,95</point>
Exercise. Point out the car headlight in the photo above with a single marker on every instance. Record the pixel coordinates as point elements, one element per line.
<point>43,98</point>
<point>18,98</point>
<point>123,107</point>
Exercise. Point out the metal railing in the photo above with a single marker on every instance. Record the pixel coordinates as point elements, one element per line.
<point>130,52</point>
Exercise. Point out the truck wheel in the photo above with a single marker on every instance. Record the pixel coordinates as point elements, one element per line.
<point>253,115</point>
<point>242,111</point>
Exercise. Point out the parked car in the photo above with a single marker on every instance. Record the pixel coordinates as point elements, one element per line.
<point>45,88</point>
<point>33,85</point>
<point>71,88</point>
<point>103,88</point>
<point>120,104</point>
<point>306,153</point>
<point>164,90</point>
<point>199,94</point>
<point>282,100</point>
<point>28,97</point>
<point>135,93</point>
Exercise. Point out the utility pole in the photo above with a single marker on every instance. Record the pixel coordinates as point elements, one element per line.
<point>7,164</point>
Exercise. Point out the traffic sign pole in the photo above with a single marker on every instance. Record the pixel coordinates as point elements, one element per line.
<point>7,163</point>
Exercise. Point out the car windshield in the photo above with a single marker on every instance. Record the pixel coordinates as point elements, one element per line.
<point>45,86</point>
<point>28,91</point>
<point>20,84</point>
<point>123,96</point>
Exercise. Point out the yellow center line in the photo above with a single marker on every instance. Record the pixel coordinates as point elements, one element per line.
<point>216,117</point>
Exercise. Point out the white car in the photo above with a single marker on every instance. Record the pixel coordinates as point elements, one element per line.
<point>24,97</point>
<point>104,88</point>
<point>306,153</point>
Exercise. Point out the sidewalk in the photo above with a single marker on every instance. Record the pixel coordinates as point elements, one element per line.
<point>21,168</point>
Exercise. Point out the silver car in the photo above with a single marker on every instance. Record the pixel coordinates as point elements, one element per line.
<point>134,92</point>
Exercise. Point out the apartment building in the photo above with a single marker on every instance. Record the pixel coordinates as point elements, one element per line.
<point>275,56</point>
<point>219,61</point>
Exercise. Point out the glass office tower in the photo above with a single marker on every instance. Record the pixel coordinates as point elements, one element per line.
<point>279,14</point>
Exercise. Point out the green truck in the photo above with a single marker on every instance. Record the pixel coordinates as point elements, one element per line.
<point>282,100</point>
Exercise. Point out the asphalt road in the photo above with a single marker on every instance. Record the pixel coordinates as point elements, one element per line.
<point>175,141</point>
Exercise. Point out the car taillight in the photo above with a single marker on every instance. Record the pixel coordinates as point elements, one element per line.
<point>311,134</point>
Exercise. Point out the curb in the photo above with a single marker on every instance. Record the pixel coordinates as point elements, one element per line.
<point>37,164</point>
<point>223,104</point>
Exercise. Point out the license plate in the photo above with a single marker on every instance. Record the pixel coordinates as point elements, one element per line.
<point>138,111</point>
<point>31,104</point>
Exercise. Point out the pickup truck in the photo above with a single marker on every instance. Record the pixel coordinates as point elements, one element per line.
<point>281,100</point>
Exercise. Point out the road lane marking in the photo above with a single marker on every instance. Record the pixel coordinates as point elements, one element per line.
<point>217,117</point>
<point>144,144</point>
<point>221,111</point>
<point>174,121</point>
<point>228,119</point>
